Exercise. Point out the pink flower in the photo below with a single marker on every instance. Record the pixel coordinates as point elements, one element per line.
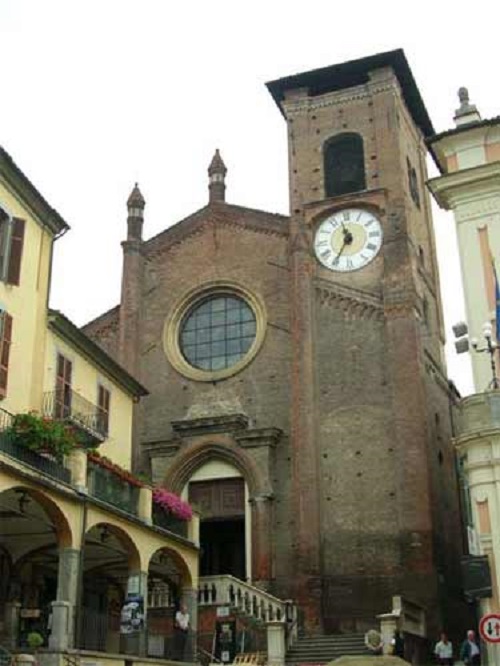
<point>171,503</point>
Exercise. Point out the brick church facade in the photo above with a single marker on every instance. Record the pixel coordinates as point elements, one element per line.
<point>298,392</point>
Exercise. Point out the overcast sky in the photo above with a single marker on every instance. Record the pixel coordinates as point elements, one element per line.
<point>98,94</point>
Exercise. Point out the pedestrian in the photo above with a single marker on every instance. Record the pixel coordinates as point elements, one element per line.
<point>469,651</point>
<point>181,632</point>
<point>444,651</point>
<point>398,645</point>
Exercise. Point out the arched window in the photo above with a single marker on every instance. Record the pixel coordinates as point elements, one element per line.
<point>344,164</point>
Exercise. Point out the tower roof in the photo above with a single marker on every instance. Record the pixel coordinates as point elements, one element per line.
<point>136,199</point>
<point>355,73</point>
<point>217,165</point>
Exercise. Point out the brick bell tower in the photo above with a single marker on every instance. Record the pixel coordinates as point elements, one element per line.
<point>374,491</point>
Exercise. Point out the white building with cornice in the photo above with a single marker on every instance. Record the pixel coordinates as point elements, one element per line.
<point>468,157</point>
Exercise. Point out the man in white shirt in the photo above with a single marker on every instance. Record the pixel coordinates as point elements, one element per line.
<point>181,632</point>
<point>444,651</point>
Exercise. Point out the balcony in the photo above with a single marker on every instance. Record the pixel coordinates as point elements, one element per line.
<point>169,522</point>
<point>42,463</point>
<point>110,488</point>
<point>67,405</point>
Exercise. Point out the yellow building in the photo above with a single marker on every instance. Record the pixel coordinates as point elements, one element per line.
<point>83,544</point>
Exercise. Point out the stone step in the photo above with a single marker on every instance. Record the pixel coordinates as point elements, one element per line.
<point>323,649</point>
<point>327,649</point>
<point>307,643</point>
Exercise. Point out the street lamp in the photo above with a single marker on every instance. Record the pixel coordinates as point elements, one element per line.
<point>460,331</point>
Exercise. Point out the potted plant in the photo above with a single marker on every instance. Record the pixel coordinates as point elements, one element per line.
<point>42,435</point>
<point>34,640</point>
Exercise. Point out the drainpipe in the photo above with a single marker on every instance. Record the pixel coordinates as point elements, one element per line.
<point>79,589</point>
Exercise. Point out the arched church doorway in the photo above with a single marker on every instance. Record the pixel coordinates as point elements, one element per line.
<point>219,491</point>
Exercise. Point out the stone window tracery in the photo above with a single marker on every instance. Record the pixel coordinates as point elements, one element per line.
<point>216,333</point>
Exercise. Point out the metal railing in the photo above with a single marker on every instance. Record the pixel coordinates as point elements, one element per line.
<point>109,487</point>
<point>100,632</point>
<point>41,463</point>
<point>6,419</point>
<point>168,522</point>
<point>68,405</point>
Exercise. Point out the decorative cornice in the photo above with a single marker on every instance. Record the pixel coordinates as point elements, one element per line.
<point>459,187</point>
<point>480,437</point>
<point>210,425</point>
<point>162,448</point>
<point>301,105</point>
<point>30,196</point>
<point>354,303</point>
<point>261,498</point>
<point>396,310</point>
<point>259,437</point>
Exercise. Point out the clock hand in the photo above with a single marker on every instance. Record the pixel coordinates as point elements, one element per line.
<point>336,260</point>
<point>348,238</point>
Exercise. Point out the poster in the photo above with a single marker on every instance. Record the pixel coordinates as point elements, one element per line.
<point>132,614</point>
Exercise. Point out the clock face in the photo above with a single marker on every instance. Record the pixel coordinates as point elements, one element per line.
<point>347,240</point>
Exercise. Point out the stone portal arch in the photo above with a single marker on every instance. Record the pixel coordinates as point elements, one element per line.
<point>195,456</point>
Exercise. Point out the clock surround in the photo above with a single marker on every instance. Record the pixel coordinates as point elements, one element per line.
<point>348,239</point>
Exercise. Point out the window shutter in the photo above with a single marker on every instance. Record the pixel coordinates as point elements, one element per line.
<point>16,251</point>
<point>63,387</point>
<point>103,408</point>
<point>5,342</point>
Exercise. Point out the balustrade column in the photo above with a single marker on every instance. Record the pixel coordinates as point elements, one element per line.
<point>62,634</point>
<point>262,540</point>
<point>11,623</point>
<point>276,646</point>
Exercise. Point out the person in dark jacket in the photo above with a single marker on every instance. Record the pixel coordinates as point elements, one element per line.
<point>398,645</point>
<point>469,651</point>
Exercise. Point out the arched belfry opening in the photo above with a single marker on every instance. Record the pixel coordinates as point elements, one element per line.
<point>219,491</point>
<point>344,164</point>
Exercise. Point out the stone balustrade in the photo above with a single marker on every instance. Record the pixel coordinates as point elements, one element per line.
<point>250,600</point>
<point>479,413</point>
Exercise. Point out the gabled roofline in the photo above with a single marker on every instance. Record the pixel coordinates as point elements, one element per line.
<point>76,337</point>
<point>354,73</point>
<point>212,207</point>
<point>25,189</point>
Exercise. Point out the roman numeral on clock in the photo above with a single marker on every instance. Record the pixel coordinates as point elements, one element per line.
<point>374,234</point>
<point>371,247</point>
<point>325,254</point>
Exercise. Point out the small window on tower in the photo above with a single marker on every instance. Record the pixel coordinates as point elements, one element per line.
<point>413,183</point>
<point>344,164</point>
